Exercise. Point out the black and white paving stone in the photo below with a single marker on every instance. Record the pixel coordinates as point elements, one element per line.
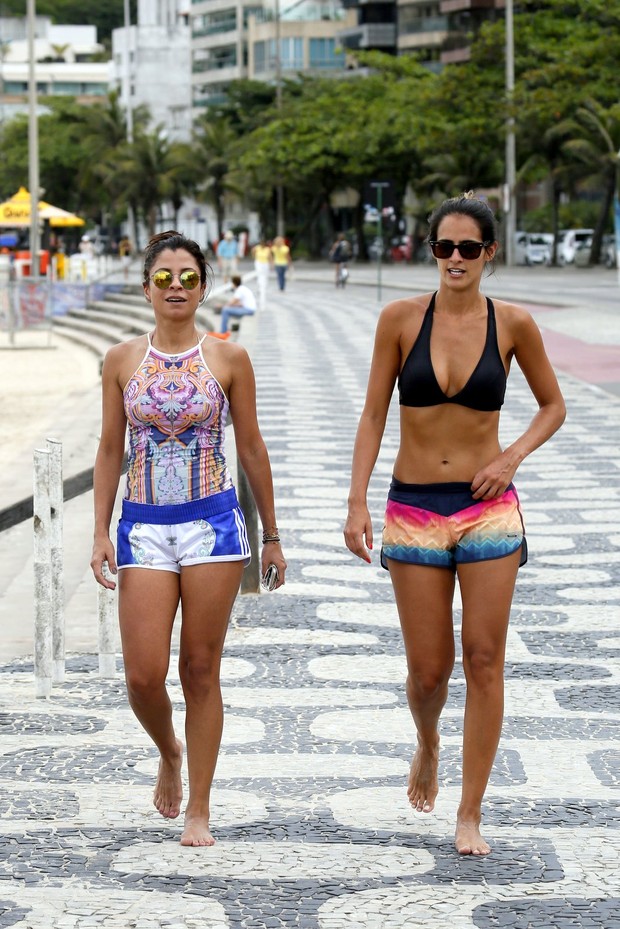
<point>309,804</point>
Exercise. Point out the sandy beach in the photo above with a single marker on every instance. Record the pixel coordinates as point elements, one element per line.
<point>50,389</point>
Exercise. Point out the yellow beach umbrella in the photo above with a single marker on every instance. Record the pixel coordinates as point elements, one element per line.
<point>58,217</point>
<point>15,212</point>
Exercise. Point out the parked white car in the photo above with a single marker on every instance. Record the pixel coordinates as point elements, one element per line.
<point>532,248</point>
<point>568,240</point>
<point>608,252</point>
<point>582,253</point>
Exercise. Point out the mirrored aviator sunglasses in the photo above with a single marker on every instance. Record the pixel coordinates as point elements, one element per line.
<point>444,248</point>
<point>189,280</point>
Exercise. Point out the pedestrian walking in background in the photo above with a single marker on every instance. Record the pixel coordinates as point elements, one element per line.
<point>125,251</point>
<point>263,262</point>
<point>452,510</point>
<point>242,303</point>
<point>181,537</point>
<point>282,260</point>
<point>86,247</point>
<point>339,254</point>
<point>227,254</point>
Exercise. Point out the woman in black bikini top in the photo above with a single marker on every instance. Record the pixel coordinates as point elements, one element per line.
<point>452,511</point>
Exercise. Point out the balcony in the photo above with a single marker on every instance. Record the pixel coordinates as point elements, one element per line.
<point>369,35</point>
<point>354,4</point>
<point>460,6</point>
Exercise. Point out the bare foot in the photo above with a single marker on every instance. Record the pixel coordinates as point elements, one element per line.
<point>196,831</point>
<point>168,791</point>
<point>423,785</point>
<point>468,840</point>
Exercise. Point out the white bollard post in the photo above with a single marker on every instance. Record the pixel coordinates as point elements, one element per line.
<point>42,576</point>
<point>106,610</point>
<point>58,579</point>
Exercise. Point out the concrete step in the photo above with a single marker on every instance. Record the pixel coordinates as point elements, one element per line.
<point>95,342</point>
<point>140,318</point>
<point>80,321</point>
<point>104,324</point>
<point>126,298</point>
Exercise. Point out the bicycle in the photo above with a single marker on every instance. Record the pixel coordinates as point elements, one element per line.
<point>342,275</point>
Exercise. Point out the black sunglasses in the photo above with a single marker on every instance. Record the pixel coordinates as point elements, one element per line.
<point>444,248</point>
<point>189,279</point>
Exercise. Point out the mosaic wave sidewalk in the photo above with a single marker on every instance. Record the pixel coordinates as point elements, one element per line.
<point>310,811</point>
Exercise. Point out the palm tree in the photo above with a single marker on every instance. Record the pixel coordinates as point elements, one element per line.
<point>213,152</point>
<point>105,139</point>
<point>150,171</point>
<point>594,145</point>
<point>549,157</point>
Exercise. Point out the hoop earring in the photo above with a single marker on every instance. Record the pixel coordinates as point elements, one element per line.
<point>202,299</point>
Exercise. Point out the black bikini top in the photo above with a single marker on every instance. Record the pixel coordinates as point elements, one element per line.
<point>485,389</point>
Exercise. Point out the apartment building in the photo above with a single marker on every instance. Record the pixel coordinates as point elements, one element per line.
<point>234,39</point>
<point>439,31</point>
<point>464,20</point>
<point>66,63</point>
<point>151,65</point>
<point>375,26</point>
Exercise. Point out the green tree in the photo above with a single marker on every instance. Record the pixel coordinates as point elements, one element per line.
<point>105,134</point>
<point>214,142</point>
<point>329,135</point>
<point>594,144</point>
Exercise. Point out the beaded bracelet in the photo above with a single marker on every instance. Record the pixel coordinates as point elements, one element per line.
<point>271,535</point>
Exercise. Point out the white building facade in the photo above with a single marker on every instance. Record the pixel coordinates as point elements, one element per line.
<point>65,64</point>
<point>152,65</point>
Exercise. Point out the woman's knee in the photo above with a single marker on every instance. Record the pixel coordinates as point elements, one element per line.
<point>483,667</point>
<point>425,683</point>
<point>199,676</point>
<point>144,683</point>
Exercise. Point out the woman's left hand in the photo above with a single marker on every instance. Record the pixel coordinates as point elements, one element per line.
<point>493,480</point>
<point>272,554</point>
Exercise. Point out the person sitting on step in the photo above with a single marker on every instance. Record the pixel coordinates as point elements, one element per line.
<point>242,303</point>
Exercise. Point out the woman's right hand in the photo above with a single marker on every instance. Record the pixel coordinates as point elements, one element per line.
<point>357,530</point>
<point>103,554</point>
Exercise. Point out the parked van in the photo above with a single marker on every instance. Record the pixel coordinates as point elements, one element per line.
<point>532,248</point>
<point>568,240</point>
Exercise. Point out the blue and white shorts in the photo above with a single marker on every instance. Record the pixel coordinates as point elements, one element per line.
<point>167,538</point>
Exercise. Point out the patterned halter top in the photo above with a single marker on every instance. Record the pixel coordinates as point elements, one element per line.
<point>176,413</point>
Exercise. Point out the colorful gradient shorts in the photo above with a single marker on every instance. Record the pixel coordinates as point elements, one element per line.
<point>443,526</point>
<point>167,538</point>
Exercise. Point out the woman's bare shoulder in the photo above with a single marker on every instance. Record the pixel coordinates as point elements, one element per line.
<point>223,350</point>
<point>122,359</point>
<point>122,351</point>
<point>513,315</point>
<point>405,307</point>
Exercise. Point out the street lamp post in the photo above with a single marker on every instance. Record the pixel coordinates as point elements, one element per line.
<point>33,144</point>
<point>510,203</point>
<point>278,64</point>
<point>128,110</point>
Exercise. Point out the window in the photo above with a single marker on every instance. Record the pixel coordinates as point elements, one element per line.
<point>15,87</point>
<point>260,57</point>
<point>323,54</point>
<point>214,23</point>
<point>291,55</point>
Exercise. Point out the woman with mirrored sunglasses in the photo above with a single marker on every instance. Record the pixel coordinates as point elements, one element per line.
<point>181,537</point>
<point>452,512</point>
